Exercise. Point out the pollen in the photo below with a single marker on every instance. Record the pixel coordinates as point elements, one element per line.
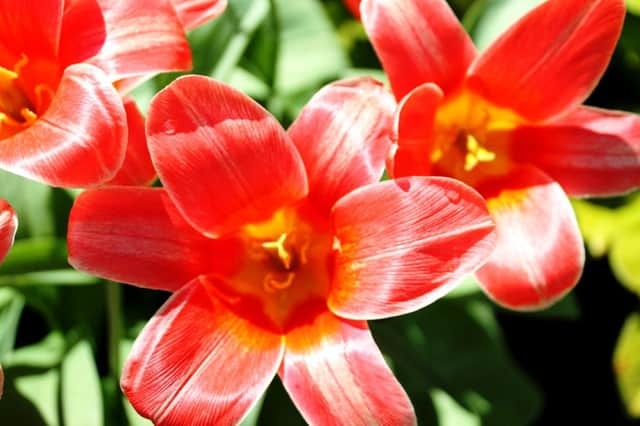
<point>476,154</point>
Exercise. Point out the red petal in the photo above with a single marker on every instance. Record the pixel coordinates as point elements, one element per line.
<point>343,137</point>
<point>413,132</point>
<point>8,228</point>
<point>81,139</point>
<point>32,29</point>
<point>418,41</point>
<point>137,168</point>
<point>136,235</point>
<point>335,374</point>
<point>551,59</point>
<point>196,363</point>
<point>539,255</point>
<point>406,243</point>
<point>143,37</point>
<point>83,31</point>
<point>589,151</point>
<point>193,13</point>
<point>353,6</point>
<point>224,160</point>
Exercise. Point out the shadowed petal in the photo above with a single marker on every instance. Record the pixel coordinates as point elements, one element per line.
<point>136,235</point>
<point>81,139</point>
<point>551,59</point>
<point>413,132</point>
<point>590,152</point>
<point>333,370</point>
<point>137,168</point>
<point>539,254</point>
<point>193,13</point>
<point>418,41</point>
<point>406,243</point>
<point>342,135</point>
<point>196,363</point>
<point>224,160</point>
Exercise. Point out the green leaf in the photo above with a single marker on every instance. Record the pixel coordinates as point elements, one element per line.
<point>455,345</point>
<point>450,413</point>
<point>81,395</point>
<point>11,304</point>
<point>597,225</point>
<point>35,254</point>
<point>633,6</point>
<point>626,363</point>
<point>625,260</point>
<point>496,18</point>
<point>33,203</point>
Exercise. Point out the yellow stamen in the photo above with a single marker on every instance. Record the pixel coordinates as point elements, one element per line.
<point>278,249</point>
<point>476,154</point>
<point>271,284</point>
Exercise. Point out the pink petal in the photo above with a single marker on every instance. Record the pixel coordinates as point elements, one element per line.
<point>343,137</point>
<point>224,160</point>
<point>414,132</point>
<point>418,41</point>
<point>197,363</point>
<point>81,139</point>
<point>27,28</point>
<point>335,374</point>
<point>406,243</point>
<point>551,59</point>
<point>143,37</point>
<point>539,255</point>
<point>8,228</point>
<point>193,13</point>
<point>137,236</point>
<point>137,168</point>
<point>589,152</point>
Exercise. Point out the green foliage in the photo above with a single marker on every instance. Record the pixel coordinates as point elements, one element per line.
<point>626,364</point>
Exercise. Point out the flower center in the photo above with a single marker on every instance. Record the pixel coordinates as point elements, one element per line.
<point>20,101</point>
<point>467,140</point>
<point>287,265</point>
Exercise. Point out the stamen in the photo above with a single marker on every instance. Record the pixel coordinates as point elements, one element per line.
<point>277,248</point>
<point>272,285</point>
<point>476,154</point>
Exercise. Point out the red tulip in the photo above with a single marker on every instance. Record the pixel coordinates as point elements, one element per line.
<point>8,227</point>
<point>278,246</point>
<point>62,122</point>
<point>509,122</point>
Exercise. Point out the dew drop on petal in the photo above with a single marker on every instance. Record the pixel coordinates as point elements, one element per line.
<point>453,196</point>
<point>169,127</point>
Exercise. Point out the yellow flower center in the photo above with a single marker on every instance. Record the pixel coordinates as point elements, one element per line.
<point>286,268</point>
<point>468,138</point>
<point>21,102</point>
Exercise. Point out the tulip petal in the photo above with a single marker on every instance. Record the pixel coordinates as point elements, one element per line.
<point>8,228</point>
<point>83,31</point>
<point>136,235</point>
<point>81,139</point>
<point>193,13</point>
<point>418,41</point>
<point>343,137</point>
<point>541,73</point>
<point>406,243</point>
<point>539,254</point>
<point>224,160</point>
<point>30,29</point>
<point>197,363</point>
<point>333,370</point>
<point>143,37</point>
<point>413,132</point>
<point>590,152</point>
<point>137,168</point>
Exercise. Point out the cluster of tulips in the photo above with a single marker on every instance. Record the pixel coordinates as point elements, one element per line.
<point>278,245</point>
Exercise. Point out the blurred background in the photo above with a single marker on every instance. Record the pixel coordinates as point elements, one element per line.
<point>64,335</point>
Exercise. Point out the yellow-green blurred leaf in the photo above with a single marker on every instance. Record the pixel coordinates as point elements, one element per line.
<point>81,394</point>
<point>626,363</point>
<point>625,260</point>
<point>633,6</point>
<point>597,225</point>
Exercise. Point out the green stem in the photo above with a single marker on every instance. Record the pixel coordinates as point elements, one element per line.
<point>114,323</point>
